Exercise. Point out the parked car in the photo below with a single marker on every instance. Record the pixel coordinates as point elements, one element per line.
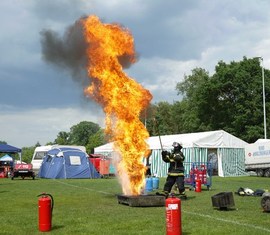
<point>22,170</point>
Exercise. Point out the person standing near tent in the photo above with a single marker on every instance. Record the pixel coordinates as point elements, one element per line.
<point>176,169</point>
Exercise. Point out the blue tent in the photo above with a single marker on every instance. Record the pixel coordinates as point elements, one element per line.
<point>67,163</point>
<point>5,148</point>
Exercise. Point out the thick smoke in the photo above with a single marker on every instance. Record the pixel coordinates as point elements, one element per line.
<point>69,51</point>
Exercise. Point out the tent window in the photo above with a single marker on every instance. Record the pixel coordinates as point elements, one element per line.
<point>75,160</point>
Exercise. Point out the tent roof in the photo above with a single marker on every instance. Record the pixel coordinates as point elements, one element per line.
<point>6,158</point>
<point>262,141</point>
<point>65,151</point>
<point>5,148</point>
<point>208,139</point>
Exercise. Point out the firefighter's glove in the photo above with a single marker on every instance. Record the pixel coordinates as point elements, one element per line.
<point>164,153</point>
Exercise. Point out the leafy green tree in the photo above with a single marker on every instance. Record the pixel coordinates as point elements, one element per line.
<point>230,100</point>
<point>27,154</point>
<point>147,117</point>
<point>238,94</point>
<point>163,116</point>
<point>37,144</point>
<point>3,142</point>
<point>62,138</point>
<point>159,119</point>
<point>80,133</point>
<point>95,140</point>
<point>193,88</point>
<point>50,143</point>
<point>179,122</point>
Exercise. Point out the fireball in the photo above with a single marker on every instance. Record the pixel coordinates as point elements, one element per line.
<point>121,97</point>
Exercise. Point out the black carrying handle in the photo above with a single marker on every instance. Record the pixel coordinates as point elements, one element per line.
<point>47,194</point>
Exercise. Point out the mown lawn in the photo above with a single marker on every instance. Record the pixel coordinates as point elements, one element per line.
<point>90,206</point>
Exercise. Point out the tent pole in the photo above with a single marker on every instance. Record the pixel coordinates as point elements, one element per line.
<point>157,129</point>
<point>160,142</point>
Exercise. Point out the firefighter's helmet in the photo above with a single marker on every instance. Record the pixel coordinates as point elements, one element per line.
<point>177,145</point>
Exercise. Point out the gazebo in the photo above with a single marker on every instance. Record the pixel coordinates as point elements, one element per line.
<point>6,161</point>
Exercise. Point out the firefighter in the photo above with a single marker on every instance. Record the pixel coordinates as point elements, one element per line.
<point>176,169</point>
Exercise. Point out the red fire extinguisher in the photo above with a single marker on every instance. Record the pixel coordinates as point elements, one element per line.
<point>198,186</point>
<point>45,209</point>
<point>173,216</point>
<point>196,173</point>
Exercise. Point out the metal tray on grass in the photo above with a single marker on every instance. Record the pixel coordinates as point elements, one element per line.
<point>141,200</point>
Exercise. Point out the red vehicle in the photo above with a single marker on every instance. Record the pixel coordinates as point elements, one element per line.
<point>23,170</point>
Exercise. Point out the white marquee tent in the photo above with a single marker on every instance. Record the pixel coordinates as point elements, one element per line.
<point>225,151</point>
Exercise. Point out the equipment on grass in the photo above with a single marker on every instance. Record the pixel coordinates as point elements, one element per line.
<point>265,202</point>
<point>199,170</point>
<point>245,192</point>
<point>223,200</point>
<point>45,209</point>
<point>173,216</point>
<point>259,192</point>
<point>248,191</point>
<point>155,182</point>
<point>148,200</point>
<point>198,186</point>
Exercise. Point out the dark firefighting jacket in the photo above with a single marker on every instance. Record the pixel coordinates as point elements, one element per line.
<point>176,167</point>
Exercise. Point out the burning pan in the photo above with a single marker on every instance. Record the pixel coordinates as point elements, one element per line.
<point>141,200</point>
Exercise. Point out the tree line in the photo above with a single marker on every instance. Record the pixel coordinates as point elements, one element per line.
<point>231,99</point>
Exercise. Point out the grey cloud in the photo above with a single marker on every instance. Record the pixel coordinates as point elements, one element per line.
<point>182,29</point>
<point>60,10</point>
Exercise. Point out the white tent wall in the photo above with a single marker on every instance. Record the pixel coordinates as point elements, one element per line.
<point>231,162</point>
<point>160,168</point>
<point>230,151</point>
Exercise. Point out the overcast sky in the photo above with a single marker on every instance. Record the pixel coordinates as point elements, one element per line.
<point>39,99</point>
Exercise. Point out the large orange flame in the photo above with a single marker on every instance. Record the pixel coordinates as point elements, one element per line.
<point>121,97</point>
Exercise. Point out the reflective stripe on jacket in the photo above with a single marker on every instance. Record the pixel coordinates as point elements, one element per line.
<point>176,160</point>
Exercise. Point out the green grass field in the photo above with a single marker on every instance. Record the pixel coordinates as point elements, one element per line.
<point>90,206</point>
